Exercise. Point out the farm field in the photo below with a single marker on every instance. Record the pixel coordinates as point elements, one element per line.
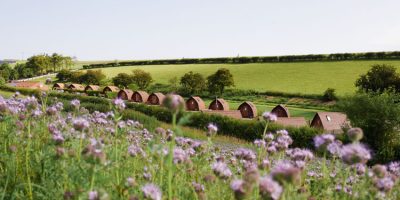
<point>312,78</point>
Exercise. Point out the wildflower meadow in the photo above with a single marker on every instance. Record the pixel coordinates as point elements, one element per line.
<point>48,153</point>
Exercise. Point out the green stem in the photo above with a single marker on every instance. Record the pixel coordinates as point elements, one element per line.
<point>265,129</point>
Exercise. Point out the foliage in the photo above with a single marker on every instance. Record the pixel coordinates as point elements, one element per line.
<point>64,75</point>
<point>379,78</point>
<point>122,80</point>
<point>141,78</point>
<point>173,82</point>
<point>7,72</point>
<point>329,95</point>
<point>218,81</point>
<point>379,116</point>
<point>92,77</point>
<point>261,59</point>
<point>193,83</point>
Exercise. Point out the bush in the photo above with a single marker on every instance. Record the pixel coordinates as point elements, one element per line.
<point>329,95</point>
<point>378,79</point>
<point>379,116</point>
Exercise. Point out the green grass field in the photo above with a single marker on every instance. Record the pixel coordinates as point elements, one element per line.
<point>302,77</point>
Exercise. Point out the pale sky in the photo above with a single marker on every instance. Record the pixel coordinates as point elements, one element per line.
<point>155,29</point>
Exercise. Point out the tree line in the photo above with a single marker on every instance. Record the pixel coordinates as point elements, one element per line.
<point>258,59</point>
<point>35,66</point>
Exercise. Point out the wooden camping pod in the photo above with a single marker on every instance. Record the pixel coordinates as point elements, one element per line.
<point>280,111</point>
<point>331,122</point>
<point>195,104</point>
<point>248,109</point>
<point>219,104</point>
<point>76,87</point>
<point>140,96</point>
<point>156,98</point>
<point>125,94</point>
<point>58,86</point>
<point>92,88</point>
<point>110,89</point>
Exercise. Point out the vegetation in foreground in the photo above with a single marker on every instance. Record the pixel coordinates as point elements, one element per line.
<point>51,154</point>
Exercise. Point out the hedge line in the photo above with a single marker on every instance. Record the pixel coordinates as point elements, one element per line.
<point>258,59</point>
<point>243,129</point>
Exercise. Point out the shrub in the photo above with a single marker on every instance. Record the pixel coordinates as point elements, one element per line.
<point>379,116</point>
<point>379,78</point>
<point>122,80</point>
<point>329,95</point>
<point>141,78</point>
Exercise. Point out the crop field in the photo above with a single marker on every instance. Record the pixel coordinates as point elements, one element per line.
<point>301,77</point>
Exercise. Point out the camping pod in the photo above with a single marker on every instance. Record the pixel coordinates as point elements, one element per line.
<point>195,104</point>
<point>280,111</point>
<point>110,89</point>
<point>140,96</point>
<point>92,88</point>
<point>219,104</point>
<point>125,94</point>
<point>156,98</point>
<point>58,86</point>
<point>248,110</point>
<point>76,87</point>
<point>330,122</point>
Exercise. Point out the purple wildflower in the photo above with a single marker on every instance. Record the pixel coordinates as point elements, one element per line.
<point>245,154</point>
<point>269,117</point>
<point>212,129</point>
<point>238,187</point>
<point>151,191</point>
<point>284,171</point>
<point>221,169</point>
<point>119,104</point>
<point>322,141</point>
<point>269,189</point>
<point>80,124</point>
<point>355,153</point>
<point>76,103</point>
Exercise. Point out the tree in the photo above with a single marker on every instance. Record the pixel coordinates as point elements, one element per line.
<point>56,61</point>
<point>39,64</point>
<point>378,79</point>
<point>5,71</point>
<point>141,78</point>
<point>92,77</point>
<point>193,82</point>
<point>64,75</point>
<point>122,80</point>
<point>218,81</point>
<point>379,117</point>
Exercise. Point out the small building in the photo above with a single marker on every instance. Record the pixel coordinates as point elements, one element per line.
<point>219,104</point>
<point>140,96</point>
<point>292,121</point>
<point>110,88</point>
<point>76,87</point>
<point>195,103</point>
<point>280,111</point>
<point>59,86</point>
<point>331,122</point>
<point>92,88</point>
<point>227,113</point>
<point>125,94</point>
<point>30,85</point>
<point>248,109</point>
<point>156,98</point>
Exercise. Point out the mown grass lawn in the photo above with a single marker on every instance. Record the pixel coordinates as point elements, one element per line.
<point>301,77</point>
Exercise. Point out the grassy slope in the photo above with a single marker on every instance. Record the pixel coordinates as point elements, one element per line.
<point>304,77</point>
